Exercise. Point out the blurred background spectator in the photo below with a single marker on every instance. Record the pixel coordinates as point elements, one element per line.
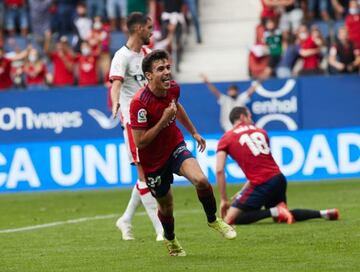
<point>343,57</point>
<point>16,11</point>
<point>293,37</point>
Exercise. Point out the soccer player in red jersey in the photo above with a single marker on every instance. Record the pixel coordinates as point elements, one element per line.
<point>266,185</point>
<point>162,150</point>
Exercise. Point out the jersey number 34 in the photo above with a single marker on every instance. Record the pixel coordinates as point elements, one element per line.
<point>256,142</point>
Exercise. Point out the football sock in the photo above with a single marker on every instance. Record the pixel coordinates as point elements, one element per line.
<point>301,215</point>
<point>249,217</point>
<point>208,201</point>
<point>133,204</point>
<point>150,206</point>
<point>168,225</point>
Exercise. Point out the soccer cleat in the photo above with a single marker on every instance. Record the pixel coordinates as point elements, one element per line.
<point>174,248</point>
<point>159,237</point>
<point>284,215</point>
<point>125,228</point>
<point>226,230</point>
<point>332,214</point>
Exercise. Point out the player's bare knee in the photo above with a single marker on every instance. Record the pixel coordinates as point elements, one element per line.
<point>201,183</point>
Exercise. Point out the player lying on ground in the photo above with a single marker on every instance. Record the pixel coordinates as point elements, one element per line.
<point>162,150</point>
<point>266,186</point>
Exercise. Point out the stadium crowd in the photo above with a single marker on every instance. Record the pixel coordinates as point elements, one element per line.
<point>47,43</point>
<point>306,37</point>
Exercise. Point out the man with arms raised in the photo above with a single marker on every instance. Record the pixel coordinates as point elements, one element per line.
<point>162,150</point>
<point>127,78</point>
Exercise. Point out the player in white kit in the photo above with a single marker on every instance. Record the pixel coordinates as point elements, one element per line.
<point>127,78</point>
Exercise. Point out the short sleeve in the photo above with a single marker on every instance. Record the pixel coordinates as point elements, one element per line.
<point>177,92</point>
<point>118,67</point>
<point>242,99</point>
<point>222,99</point>
<point>222,144</point>
<point>138,115</point>
<point>333,51</point>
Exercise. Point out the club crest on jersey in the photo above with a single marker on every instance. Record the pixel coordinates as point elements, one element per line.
<point>141,116</point>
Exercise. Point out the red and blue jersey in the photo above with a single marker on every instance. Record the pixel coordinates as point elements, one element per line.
<point>249,147</point>
<point>146,110</point>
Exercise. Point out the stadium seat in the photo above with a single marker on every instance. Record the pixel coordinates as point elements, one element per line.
<point>338,24</point>
<point>324,28</point>
<point>15,43</point>
<point>118,39</point>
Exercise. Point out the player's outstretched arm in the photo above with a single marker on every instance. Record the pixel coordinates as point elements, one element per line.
<point>221,182</point>
<point>143,137</point>
<point>184,119</point>
<point>115,96</point>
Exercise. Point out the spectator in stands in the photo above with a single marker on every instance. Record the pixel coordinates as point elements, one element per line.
<point>16,10</point>
<point>7,72</point>
<point>40,24</point>
<point>63,60</point>
<point>288,60</point>
<point>117,11</point>
<point>273,39</point>
<point>339,8</point>
<point>143,6</point>
<point>82,23</point>
<point>291,17</point>
<point>319,40</point>
<point>99,41</point>
<point>173,23</point>
<point>322,5</point>
<point>230,100</point>
<point>343,58</point>
<point>87,66</point>
<point>2,15</point>
<point>193,8</point>
<point>95,8</point>
<point>352,22</point>
<point>35,71</point>
<point>65,14</point>
<point>309,52</point>
<point>269,10</point>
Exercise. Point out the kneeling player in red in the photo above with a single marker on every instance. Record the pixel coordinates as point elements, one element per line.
<point>162,150</point>
<point>266,186</point>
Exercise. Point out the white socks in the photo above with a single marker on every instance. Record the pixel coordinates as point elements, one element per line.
<point>274,212</point>
<point>324,214</point>
<point>141,194</point>
<point>150,206</point>
<point>133,204</point>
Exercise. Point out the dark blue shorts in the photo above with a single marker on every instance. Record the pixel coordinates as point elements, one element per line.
<point>267,195</point>
<point>159,181</point>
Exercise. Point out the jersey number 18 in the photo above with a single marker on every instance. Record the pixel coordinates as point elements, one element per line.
<point>256,142</point>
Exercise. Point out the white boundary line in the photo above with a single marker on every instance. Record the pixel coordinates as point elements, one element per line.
<point>79,220</point>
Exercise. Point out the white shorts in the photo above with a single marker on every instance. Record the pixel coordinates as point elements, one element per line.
<point>128,137</point>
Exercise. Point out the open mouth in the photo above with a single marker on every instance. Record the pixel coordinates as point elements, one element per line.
<point>166,80</point>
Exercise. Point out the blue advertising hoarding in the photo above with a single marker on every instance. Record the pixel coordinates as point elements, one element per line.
<point>82,113</point>
<point>63,165</point>
<point>66,114</point>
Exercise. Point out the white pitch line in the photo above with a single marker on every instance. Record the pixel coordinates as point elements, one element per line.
<point>57,223</point>
<point>76,221</point>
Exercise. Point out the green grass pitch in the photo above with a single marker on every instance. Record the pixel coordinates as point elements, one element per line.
<point>316,245</point>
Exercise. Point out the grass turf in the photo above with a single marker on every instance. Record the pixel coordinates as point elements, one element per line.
<point>315,245</point>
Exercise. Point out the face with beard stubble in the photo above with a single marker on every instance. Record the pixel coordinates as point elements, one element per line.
<point>233,93</point>
<point>146,32</point>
